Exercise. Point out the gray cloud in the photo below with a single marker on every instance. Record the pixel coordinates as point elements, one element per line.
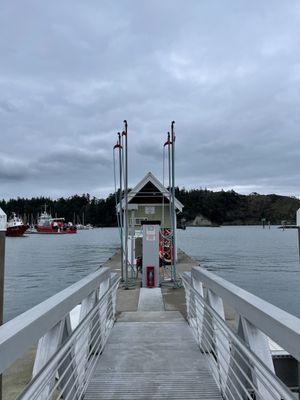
<point>228,72</point>
<point>12,170</point>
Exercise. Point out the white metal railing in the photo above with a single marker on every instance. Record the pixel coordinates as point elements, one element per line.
<point>240,360</point>
<point>65,357</point>
<point>66,375</point>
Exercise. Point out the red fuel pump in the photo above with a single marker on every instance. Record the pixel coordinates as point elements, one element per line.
<point>150,277</point>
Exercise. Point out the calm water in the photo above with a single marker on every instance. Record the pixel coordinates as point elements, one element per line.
<point>265,262</point>
<point>262,261</point>
<point>38,266</point>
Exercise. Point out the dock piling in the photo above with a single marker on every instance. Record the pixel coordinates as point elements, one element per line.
<point>3,221</point>
<point>298,225</point>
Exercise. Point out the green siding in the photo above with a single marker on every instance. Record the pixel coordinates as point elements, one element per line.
<point>140,214</point>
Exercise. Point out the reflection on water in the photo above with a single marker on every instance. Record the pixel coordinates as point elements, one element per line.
<point>38,266</point>
<point>262,261</point>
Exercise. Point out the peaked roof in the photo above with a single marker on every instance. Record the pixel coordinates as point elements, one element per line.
<point>149,177</point>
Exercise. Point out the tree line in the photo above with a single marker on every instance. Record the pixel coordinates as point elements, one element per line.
<point>221,207</point>
<point>231,208</point>
<point>76,209</point>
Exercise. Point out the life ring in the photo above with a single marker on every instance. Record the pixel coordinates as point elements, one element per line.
<point>165,247</point>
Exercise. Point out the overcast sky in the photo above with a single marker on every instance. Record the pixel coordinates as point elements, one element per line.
<point>228,73</point>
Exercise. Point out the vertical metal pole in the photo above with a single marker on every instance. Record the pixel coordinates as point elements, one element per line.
<point>126,204</point>
<point>121,207</point>
<point>298,225</point>
<point>169,172</point>
<point>299,241</point>
<point>170,200</point>
<point>3,221</point>
<point>132,241</point>
<point>173,200</point>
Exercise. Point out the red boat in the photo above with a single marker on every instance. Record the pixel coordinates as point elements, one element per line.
<point>15,226</point>
<point>48,225</point>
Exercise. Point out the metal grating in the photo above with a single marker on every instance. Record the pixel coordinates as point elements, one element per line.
<point>152,360</point>
<point>153,385</point>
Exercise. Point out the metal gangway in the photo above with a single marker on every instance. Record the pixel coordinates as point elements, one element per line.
<point>151,354</point>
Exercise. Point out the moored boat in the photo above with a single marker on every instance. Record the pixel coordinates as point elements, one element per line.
<point>48,225</point>
<point>15,226</point>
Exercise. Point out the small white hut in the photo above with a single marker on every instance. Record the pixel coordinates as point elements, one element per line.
<point>149,200</point>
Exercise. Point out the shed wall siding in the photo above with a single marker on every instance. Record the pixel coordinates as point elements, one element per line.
<point>140,213</point>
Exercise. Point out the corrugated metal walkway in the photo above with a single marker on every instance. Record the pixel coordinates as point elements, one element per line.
<point>152,355</point>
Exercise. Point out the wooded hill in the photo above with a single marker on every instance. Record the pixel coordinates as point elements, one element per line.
<point>220,207</point>
<point>232,208</point>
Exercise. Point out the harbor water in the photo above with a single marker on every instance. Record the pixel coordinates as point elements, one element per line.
<point>262,261</point>
<point>38,266</point>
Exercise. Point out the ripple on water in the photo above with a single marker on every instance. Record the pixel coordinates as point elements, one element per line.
<point>264,262</point>
<point>42,265</point>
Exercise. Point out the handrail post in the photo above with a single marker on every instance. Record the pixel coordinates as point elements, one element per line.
<point>104,286</point>
<point>222,343</point>
<point>47,346</point>
<point>258,343</point>
<point>3,221</point>
<point>85,341</point>
<point>198,286</point>
<point>113,297</point>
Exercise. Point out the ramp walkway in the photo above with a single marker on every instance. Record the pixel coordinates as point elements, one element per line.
<point>150,300</point>
<point>149,352</point>
<point>152,354</point>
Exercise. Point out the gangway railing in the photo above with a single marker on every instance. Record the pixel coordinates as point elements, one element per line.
<point>240,357</point>
<point>67,351</point>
